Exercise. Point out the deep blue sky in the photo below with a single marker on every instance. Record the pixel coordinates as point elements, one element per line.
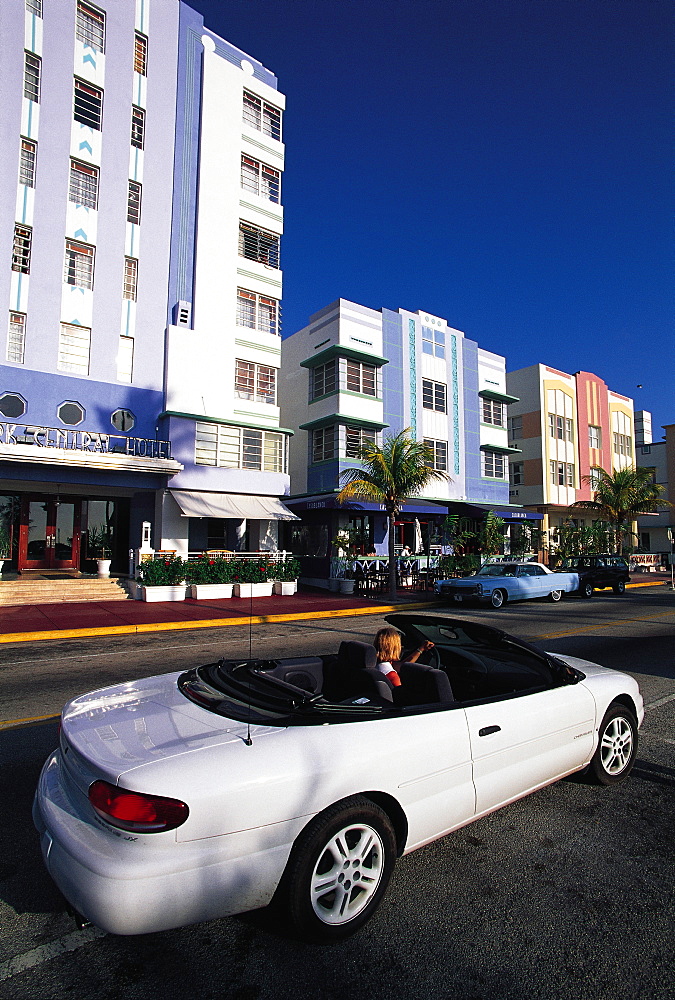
<point>505,164</point>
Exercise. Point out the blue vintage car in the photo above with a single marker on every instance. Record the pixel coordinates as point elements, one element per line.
<point>508,581</point>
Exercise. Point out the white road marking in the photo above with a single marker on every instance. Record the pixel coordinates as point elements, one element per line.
<point>69,942</point>
<point>660,701</point>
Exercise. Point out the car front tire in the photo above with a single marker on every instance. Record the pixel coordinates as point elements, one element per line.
<point>586,589</point>
<point>339,870</point>
<point>555,596</point>
<point>617,746</point>
<point>498,598</point>
<point>619,587</point>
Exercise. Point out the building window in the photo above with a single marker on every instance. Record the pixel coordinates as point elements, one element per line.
<point>516,473</point>
<point>433,342</point>
<point>71,413</point>
<point>515,427</point>
<point>79,265</point>
<point>74,346</point>
<point>16,338</point>
<point>257,312</point>
<point>137,127</point>
<point>562,474</point>
<point>34,7</point>
<point>123,420</point>
<point>258,244</point>
<point>140,54</point>
<point>21,249</point>
<point>434,395</point>
<point>361,378</point>
<point>594,437</point>
<point>493,412</point>
<point>90,26</point>
<point>125,359</point>
<point>31,77</point>
<point>323,443</point>
<point>560,428</point>
<point>134,203</point>
<point>494,465</point>
<point>27,163</point>
<point>130,285</point>
<point>83,188</point>
<point>595,477</point>
<point>88,105</point>
<point>323,380</point>
<point>357,438</point>
<point>440,454</point>
<point>261,116</point>
<point>622,444</point>
<point>260,179</point>
<point>255,382</point>
<point>12,405</point>
<point>239,448</point>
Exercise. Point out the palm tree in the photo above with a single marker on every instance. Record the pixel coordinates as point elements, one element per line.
<point>390,475</point>
<point>621,496</point>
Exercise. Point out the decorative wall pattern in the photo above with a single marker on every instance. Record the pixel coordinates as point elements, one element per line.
<point>413,378</point>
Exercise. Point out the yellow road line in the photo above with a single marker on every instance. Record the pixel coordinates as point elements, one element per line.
<point>34,718</point>
<point>590,628</point>
<point>80,633</point>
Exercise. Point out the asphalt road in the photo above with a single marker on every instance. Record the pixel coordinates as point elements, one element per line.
<point>567,894</point>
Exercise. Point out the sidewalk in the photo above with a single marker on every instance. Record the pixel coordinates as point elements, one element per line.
<point>88,619</point>
<point>63,620</point>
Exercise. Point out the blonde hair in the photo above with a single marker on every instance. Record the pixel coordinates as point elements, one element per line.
<point>388,644</point>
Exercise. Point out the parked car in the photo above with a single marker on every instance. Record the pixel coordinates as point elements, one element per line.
<point>596,572</point>
<point>500,582</point>
<point>196,795</point>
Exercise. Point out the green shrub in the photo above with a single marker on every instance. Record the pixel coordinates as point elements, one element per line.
<point>164,572</point>
<point>253,570</point>
<point>209,569</point>
<point>287,571</point>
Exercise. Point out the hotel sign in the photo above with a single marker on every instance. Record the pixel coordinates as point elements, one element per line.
<point>92,442</point>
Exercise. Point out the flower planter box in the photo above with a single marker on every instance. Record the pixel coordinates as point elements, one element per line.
<point>285,587</point>
<point>253,589</point>
<point>174,592</point>
<point>210,591</point>
<point>347,586</point>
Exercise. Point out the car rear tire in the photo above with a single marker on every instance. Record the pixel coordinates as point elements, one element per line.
<point>617,746</point>
<point>339,870</point>
<point>555,596</point>
<point>586,589</point>
<point>498,598</point>
<point>619,587</point>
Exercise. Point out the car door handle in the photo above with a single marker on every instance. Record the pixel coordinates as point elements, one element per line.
<point>488,730</point>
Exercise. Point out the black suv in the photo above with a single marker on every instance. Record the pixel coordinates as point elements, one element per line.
<point>596,572</point>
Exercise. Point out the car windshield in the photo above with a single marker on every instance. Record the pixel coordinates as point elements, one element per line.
<point>498,569</point>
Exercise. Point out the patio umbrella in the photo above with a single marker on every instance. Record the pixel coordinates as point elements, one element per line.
<point>418,544</point>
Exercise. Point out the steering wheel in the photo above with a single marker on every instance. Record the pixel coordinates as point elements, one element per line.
<point>431,657</point>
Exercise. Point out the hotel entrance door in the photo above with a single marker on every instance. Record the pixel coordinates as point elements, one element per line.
<point>49,536</point>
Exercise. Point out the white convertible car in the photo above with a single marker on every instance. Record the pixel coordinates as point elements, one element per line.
<point>190,796</point>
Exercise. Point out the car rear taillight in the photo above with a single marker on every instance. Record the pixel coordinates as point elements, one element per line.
<point>136,811</point>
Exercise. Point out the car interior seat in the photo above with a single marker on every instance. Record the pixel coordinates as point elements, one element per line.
<point>423,685</point>
<point>354,674</point>
<point>304,672</point>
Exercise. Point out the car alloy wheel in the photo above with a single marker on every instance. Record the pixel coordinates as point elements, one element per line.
<point>555,596</point>
<point>498,598</point>
<point>617,746</point>
<point>339,869</point>
<point>619,587</point>
<point>586,589</point>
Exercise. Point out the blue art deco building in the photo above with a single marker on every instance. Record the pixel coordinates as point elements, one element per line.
<point>356,374</point>
<point>140,225</point>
